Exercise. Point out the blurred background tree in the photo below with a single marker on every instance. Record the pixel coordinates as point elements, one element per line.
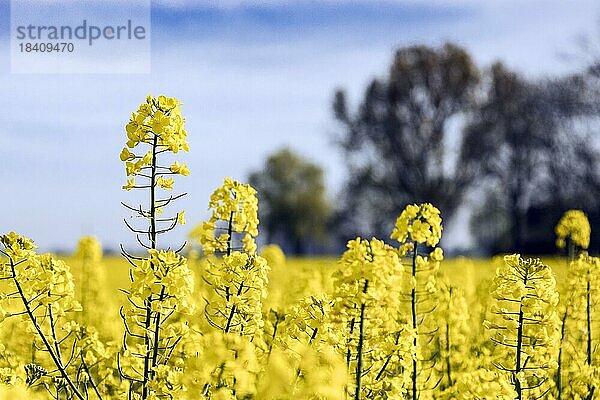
<point>293,206</point>
<point>404,143</point>
<point>515,152</point>
<point>536,163</point>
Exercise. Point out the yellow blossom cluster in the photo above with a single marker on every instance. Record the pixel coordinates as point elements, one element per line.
<point>41,279</point>
<point>159,116</point>
<point>234,211</point>
<point>584,284</point>
<point>227,367</point>
<point>239,281</point>
<point>367,269</point>
<point>159,124</point>
<point>98,357</point>
<point>575,227</point>
<point>16,246</point>
<point>419,224</point>
<point>308,322</point>
<point>482,384</point>
<point>366,325</point>
<point>303,372</point>
<point>165,279</point>
<point>166,380</point>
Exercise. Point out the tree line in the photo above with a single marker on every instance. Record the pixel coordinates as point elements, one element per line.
<point>517,152</point>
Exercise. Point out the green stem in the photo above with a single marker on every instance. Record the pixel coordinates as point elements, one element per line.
<point>413,303</point>
<point>589,323</point>
<point>275,326</point>
<point>590,360</point>
<point>229,233</point>
<point>517,383</point>
<point>147,321</point>
<point>153,194</point>
<point>89,374</point>
<point>233,310</point>
<point>559,362</point>
<point>361,338</point>
<point>348,350</point>
<point>157,332</point>
<point>448,362</point>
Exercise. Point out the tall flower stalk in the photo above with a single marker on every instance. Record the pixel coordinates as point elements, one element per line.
<point>525,326</point>
<point>238,279</point>
<point>581,332</point>
<point>573,233</point>
<point>161,281</point>
<point>419,230</point>
<point>377,348</point>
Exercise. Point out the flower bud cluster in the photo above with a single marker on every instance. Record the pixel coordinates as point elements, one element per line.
<point>574,226</point>
<point>420,224</point>
<point>159,124</point>
<point>234,211</point>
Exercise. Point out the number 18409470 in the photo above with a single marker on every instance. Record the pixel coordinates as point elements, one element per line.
<point>43,47</point>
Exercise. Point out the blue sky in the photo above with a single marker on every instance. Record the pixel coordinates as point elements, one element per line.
<point>253,77</point>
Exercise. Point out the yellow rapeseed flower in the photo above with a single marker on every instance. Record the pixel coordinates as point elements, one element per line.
<point>573,226</point>
<point>419,223</point>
